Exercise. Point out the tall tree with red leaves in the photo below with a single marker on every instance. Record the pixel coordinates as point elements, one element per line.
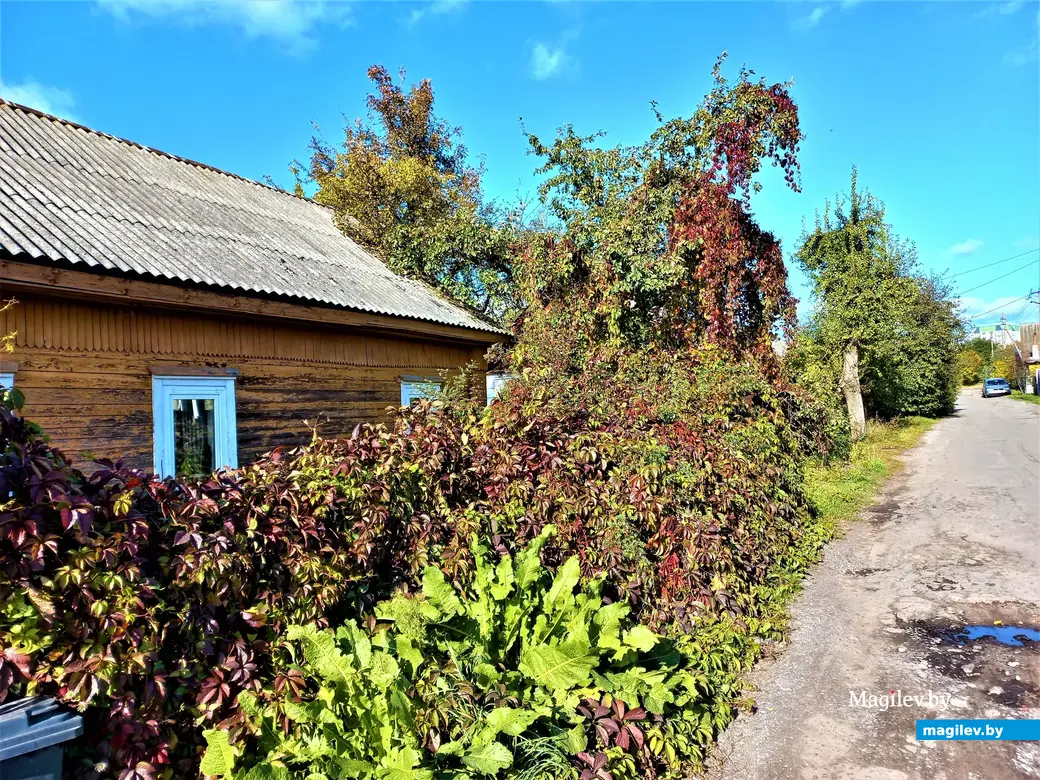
<point>657,248</point>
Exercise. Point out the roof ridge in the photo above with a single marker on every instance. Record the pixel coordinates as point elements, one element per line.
<point>357,284</point>
<point>177,158</point>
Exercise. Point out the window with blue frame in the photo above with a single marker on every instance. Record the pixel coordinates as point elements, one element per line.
<point>195,430</point>
<point>6,380</point>
<point>414,388</point>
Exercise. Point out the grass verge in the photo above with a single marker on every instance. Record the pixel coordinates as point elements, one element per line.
<point>840,490</point>
<point>1028,398</point>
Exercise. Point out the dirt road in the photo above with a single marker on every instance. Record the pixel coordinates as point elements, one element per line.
<point>954,541</point>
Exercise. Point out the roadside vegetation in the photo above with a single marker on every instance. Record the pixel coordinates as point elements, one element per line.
<point>839,490</point>
<point>570,583</point>
<point>980,359</point>
<point>1029,398</point>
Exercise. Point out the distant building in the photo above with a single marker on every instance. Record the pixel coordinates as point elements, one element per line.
<point>1002,334</point>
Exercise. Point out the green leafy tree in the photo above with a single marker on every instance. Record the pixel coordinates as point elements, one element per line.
<point>987,351</point>
<point>915,371</point>
<point>969,366</point>
<point>1008,364</point>
<point>656,249</point>
<point>402,185</point>
<point>861,277</point>
<point>982,347</point>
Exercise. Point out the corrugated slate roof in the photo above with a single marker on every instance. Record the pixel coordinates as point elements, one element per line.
<point>69,194</point>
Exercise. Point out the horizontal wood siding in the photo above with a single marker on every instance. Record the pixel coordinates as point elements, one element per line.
<point>85,373</point>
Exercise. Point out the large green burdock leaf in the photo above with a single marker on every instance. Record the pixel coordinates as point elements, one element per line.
<point>488,759</point>
<point>440,592</point>
<point>504,579</point>
<point>219,758</point>
<point>407,651</point>
<point>561,592</point>
<point>267,772</point>
<point>321,652</point>
<point>510,721</point>
<point>608,620</point>
<point>641,638</point>
<point>403,764</point>
<point>561,667</point>
<point>529,567</point>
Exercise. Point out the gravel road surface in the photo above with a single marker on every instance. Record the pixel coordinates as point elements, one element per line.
<point>953,541</point>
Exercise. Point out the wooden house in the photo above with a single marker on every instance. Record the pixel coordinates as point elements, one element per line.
<point>184,318</point>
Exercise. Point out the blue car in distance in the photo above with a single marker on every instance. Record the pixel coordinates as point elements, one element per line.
<point>992,387</point>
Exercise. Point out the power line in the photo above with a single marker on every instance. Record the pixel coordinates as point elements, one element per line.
<point>1022,310</point>
<point>998,278</point>
<point>1002,306</point>
<point>990,265</point>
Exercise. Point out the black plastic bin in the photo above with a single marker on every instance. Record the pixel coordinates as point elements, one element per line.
<point>33,733</point>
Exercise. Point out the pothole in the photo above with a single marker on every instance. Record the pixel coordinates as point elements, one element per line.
<point>999,660</point>
<point>1013,636</point>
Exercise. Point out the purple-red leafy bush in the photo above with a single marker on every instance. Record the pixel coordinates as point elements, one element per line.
<point>152,604</point>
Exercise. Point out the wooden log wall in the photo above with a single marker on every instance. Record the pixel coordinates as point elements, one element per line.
<point>84,369</point>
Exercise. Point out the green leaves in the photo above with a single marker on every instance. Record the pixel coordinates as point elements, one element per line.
<point>641,638</point>
<point>383,671</point>
<point>440,592</point>
<point>322,653</point>
<point>402,185</point>
<point>219,758</point>
<point>561,594</point>
<point>561,667</point>
<point>510,721</point>
<point>488,759</point>
<point>501,669</point>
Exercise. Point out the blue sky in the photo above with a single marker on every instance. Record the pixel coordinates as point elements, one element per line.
<point>938,104</point>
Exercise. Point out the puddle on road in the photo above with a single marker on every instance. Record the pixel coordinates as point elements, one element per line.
<point>1014,636</point>
<point>999,663</point>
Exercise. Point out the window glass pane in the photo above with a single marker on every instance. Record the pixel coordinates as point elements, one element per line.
<point>194,427</point>
<point>411,391</point>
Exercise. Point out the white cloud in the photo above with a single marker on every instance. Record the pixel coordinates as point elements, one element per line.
<point>290,22</point>
<point>969,247</point>
<point>1028,243</point>
<point>810,20</point>
<point>1001,9</point>
<point>1022,56</point>
<point>815,16</point>
<point>547,61</point>
<point>436,8</point>
<point>50,100</point>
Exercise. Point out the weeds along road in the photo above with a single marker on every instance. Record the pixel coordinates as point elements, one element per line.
<point>954,540</point>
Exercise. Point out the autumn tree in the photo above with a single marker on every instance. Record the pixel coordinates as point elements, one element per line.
<point>969,365</point>
<point>656,250</point>
<point>403,185</point>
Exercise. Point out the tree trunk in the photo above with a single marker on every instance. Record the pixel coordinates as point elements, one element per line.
<point>853,394</point>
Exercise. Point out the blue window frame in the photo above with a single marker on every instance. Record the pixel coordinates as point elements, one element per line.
<point>194,424</point>
<point>6,380</point>
<point>415,387</point>
<point>495,383</point>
